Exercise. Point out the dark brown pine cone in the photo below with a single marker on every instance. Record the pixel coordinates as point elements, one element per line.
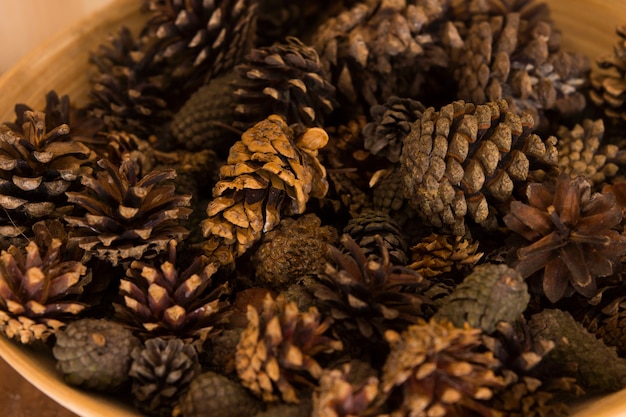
<point>120,145</point>
<point>570,230</point>
<point>128,92</point>
<point>160,373</point>
<point>95,354</point>
<point>390,125</point>
<point>296,248</point>
<point>212,394</point>
<point>489,295</point>
<point>162,300</point>
<point>444,256</point>
<point>464,160</point>
<point>439,370</point>
<point>128,217</point>
<point>369,296</point>
<point>278,348</point>
<point>286,79</point>
<point>496,64</point>
<point>269,173</point>
<point>365,226</point>
<point>609,82</point>
<point>204,121</point>
<point>608,319</point>
<point>196,40</point>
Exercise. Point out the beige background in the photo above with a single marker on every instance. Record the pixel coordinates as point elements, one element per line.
<point>26,23</point>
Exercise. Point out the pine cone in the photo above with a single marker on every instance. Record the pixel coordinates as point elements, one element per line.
<point>39,289</point>
<point>285,79</point>
<point>278,349</point>
<point>439,370</point>
<point>120,145</point>
<point>95,354</point>
<point>160,372</point>
<point>608,84</point>
<point>268,173</point>
<point>128,92</point>
<point>129,217</point>
<point>580,152</point>
<point>296,248</point>
<point>369,295</point>
<point>608,320</point>
<point>496,64</point>
<point>466,158</point>
<point>368,224</point>
<point>212,394</point>
<point>571,236</point>
<point>160,300</point>
<point>489,295</point>
<point>444,256</point>
<point>38,166</point>
<point>204,121</point>
<point>196,40</point>
<point>391,124</point>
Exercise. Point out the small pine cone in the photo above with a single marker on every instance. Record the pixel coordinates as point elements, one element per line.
<point>444,256</point>
<point>196,40</point>
<point>608,320</point>
<point>439,370</point>
<point>345,197</point>
<point>369,295</point>
<point>489,295</point>
<point>364,228</point>
<point>296,248</point>
<point>204,121</point>
<point>95,354</point>
<point>608,83</point>
<point>38,167</point>
<point>120,144</point>
<point>278,348</point>
<point>496,64</point>
<point>160,372</point>
<point>464,159</point>
<point>129,217</point>
<point>285,79</point>
<point>580,152</point>
<point>391,124</point>
<point>338,396</point>
<point>387,194</point>
<point>212,394</point>
<point>160,300</point>
<point>268,173</point>
<point>128,92</point>
<point>378,49</point>
<point>38,289</point>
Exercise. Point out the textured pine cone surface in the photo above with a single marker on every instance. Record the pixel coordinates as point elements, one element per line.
<point>329,208</point>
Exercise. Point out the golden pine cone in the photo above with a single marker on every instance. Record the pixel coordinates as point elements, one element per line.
<point>446,255</point>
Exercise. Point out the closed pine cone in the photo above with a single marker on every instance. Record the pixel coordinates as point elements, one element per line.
<point>462,160</point>
<point>444,256</point>
<point>268,173</point>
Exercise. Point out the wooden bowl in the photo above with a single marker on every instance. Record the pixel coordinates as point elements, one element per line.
<point>61,64</point>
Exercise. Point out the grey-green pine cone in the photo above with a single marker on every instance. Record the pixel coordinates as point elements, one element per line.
<point>95,354</point>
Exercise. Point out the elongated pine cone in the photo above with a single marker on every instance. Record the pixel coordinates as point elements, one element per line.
<point>285,79</point>
<point>608,320</point>
<point>160,372</point>
<point>128,217</point>
<point>160,299</point>
<point>571,236</point>
<point>38,290</point>
<point>444,255</point>
<point>489,295</point>
<point>464,159</point>
<point>278,348</point>
<point>268,173</point>
<point>440,370</point>
<point>37,167</point>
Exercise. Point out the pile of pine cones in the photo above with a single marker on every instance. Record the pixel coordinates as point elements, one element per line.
<point>326,208</point>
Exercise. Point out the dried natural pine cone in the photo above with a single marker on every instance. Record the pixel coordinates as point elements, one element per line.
<point>489,295</point>
<point>285,79</point>
<point>444,256</point>
<point>608,319</point>
<point>464,159</point>
<point>439,370</point>
<point>269,173</point>
<point>278,348</point>
<point>161,372</point>
<point>296,248</point>
<point>571,234</point>
<point>120,145</point>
